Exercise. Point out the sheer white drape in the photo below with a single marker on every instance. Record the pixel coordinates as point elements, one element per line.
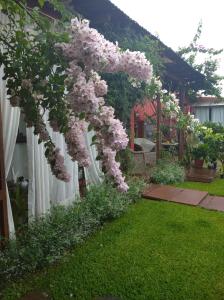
<point>44,189</point>
<point>217,114</point>
<point>202,113</point>
<point>62,192</point>
<point>93,174</point>
<point>39,173</point>
<point>10,123</point>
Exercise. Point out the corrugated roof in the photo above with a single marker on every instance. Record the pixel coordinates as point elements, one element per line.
<point>102,13</point>
<point>108,19</point>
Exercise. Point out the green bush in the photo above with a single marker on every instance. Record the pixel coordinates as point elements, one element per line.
<point>167,172</point>
<point>47,238</point>
<point>216,127</point>
<point>126,159</point>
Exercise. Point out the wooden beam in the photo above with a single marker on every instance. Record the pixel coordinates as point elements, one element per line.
<point>4,226</point>
<point>158,131</point>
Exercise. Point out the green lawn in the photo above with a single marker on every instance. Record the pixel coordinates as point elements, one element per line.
<point>214,188</point>
<point>157,250</point>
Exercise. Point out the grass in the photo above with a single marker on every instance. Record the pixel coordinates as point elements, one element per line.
<point>214,188</point>
<point>157,250</point>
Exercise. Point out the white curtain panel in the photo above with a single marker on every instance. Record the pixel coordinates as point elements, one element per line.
<point>93,174</point>
<point>62,192</point>
<point>39,177</point>
<point>217,114</point>
<point>202,113</point>
<point>45,189</point>
<point>10,123</point>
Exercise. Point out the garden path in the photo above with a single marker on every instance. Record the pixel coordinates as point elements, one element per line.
<point>183,196</point>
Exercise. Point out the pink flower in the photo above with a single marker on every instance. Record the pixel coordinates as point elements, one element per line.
<point>56,161</point>
<point>76,143</point>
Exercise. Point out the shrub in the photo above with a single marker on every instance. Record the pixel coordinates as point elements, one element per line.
<point>200,152</point>
<point>126,159</point>
<point>167,172</point>
<point>216,127</point>
<point>47,238</point>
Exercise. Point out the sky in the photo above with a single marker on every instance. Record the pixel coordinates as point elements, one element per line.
<point>176,21</point>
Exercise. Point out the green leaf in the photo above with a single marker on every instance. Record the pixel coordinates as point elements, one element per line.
<point>82,116</point>
<point>90,127</point>
<point>94,138</point>
<point>41,2</point>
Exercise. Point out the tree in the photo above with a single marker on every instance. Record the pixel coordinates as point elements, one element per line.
<point>205,61</point>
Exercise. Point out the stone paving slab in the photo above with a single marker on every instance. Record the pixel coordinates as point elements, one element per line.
<point>213,203</point>
<point>162,192</point>
<point>173,194</point>
<point>190,197</point>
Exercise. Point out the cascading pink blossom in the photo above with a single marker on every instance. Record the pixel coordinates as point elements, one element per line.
<point>113,168</point>
<point>89,49</point>
<point>54,158</point>
<point>74,139</point>
<point>58,168</point>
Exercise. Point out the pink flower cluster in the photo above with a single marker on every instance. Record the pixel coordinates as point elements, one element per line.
<point>41,129</point>
<point>54,158</point>
<point>89,49</point>
<point>111,137</point>
<point>113,168</point>
<point>56,161</point>
<point>136,65</point>
<point>76,143</point>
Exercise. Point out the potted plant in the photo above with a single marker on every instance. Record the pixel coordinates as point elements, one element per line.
<point>199,154</point>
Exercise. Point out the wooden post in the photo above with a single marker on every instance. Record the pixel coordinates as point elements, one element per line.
<point>158,131</point>
<point>4,226</point>
<point>132,129</point>
<point>181,132</point>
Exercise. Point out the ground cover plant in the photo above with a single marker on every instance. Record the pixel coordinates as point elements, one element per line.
<point>157,250</point>
<point>46,239</point>
<point>167,172</point>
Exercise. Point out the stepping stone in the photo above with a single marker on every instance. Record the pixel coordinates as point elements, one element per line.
<point>161,192</point>
<point>173,194</point>
<point>190,197</point>
<point>213,202</point>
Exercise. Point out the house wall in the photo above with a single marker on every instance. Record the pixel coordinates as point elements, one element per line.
<point>211,113</point>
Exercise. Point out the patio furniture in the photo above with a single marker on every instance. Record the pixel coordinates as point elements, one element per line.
<point>147,146</point>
